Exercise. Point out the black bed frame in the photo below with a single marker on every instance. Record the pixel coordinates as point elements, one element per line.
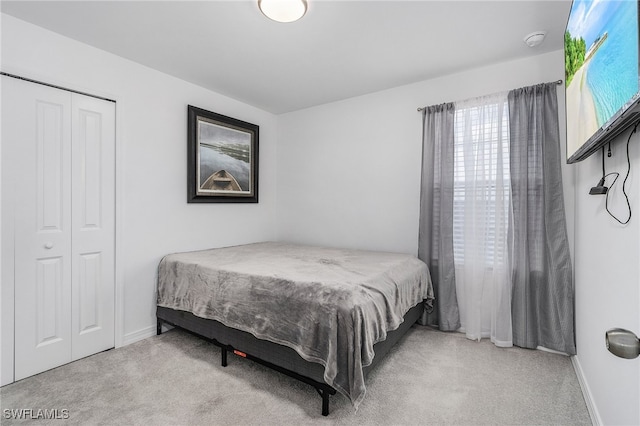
<point>277,357</point>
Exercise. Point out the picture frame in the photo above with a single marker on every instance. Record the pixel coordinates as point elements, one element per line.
<point>222,158</point>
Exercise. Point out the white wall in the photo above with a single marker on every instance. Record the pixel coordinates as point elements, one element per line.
<point>607,263</point>
<point>349,172</point>
<point>153,217</point>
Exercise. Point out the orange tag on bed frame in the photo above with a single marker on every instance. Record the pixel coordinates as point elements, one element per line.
<point>242,354</point>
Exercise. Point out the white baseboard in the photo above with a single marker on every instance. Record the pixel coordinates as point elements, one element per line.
<point>141,334</point>
<point>586,392</point>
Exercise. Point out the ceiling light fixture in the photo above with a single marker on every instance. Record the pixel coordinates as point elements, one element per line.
<point>535,38</point>
<point>283,10</point>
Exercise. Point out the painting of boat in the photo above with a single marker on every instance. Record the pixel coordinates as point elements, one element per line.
<point>222,158</point>
<point>221,180</point>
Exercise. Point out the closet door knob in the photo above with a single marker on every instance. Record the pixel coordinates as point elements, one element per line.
<point>48,245</point>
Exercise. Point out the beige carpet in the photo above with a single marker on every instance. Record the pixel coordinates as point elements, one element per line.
<point>428,378</point>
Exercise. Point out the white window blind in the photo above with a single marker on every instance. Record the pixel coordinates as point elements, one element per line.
<point>481,179</point>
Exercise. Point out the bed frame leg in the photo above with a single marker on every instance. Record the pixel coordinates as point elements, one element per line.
<point>158,327</point>
<point>325,402</point>
<point>223,353</point>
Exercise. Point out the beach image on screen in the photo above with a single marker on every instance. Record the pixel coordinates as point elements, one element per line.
<point>601,65</point>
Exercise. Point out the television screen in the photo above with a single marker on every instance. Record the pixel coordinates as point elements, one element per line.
<point>601,71</point>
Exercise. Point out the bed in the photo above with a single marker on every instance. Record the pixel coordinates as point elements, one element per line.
<point>325,316</point>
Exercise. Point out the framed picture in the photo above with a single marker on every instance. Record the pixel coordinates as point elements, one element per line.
<point>222,155</point>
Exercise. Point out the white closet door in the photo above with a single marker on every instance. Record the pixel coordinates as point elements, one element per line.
<point>93,225</point>
<point>38,126</point>
<point>59,148</point>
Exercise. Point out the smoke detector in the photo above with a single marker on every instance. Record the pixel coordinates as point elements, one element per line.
<point>535,38</point>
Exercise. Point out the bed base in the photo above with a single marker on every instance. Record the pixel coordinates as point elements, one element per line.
<point>323,389</point>
<point>277,357</point>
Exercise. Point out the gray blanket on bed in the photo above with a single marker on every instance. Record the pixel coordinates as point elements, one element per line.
<point>330,305</point>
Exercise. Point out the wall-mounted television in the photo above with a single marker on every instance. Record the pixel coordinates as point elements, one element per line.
<point>602,80</point>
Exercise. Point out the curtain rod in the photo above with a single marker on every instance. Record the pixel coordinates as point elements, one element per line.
<point>557,82</point>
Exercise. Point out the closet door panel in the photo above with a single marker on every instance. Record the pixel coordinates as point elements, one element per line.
<point>40,131</point>
<point>93,195</point>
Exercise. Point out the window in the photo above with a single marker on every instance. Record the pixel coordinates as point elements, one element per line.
<point>481,180</point>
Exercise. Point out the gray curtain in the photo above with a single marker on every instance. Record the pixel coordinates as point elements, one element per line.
<point>542,293</point>
<point>435,243</point>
